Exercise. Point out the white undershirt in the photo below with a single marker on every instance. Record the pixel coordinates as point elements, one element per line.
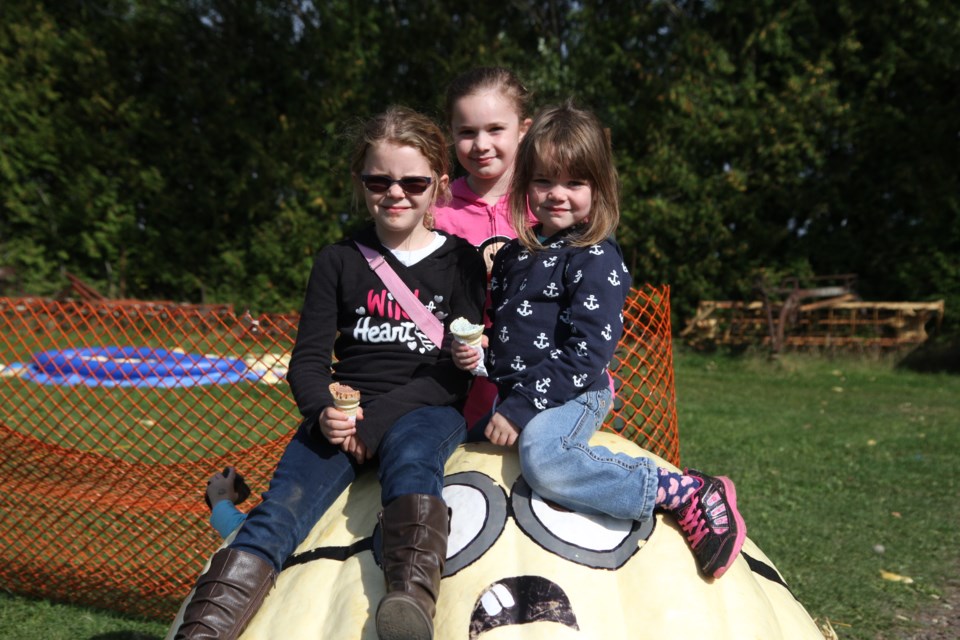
<point>412,257</point>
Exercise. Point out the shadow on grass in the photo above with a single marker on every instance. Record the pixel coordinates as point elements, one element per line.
<point>938,356</point>
<point>124,635</point>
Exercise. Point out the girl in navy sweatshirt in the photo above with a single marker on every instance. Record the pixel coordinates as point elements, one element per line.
<point>558,292</point>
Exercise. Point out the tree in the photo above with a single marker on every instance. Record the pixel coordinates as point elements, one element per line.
<point>196,149</point>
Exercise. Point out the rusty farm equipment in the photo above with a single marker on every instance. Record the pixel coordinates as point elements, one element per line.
<point>822,313</point>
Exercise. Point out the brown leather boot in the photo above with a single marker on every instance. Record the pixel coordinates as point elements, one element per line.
<point>414,531</point>
<point>227,596</point>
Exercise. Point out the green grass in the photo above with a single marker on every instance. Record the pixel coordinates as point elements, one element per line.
<point>27,619</point>
<point>835,460</point>
<point>176,424</point>
<point>844,468</point>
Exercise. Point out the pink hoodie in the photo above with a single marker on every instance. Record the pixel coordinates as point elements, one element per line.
<point>469,216</point>
<point>488,228</point>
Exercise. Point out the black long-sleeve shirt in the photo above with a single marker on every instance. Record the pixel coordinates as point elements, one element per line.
<point>352,331</point>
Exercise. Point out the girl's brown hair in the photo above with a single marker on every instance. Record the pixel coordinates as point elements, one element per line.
<point>565,137</point>
<point>482,79</point>
<point>405,127</point>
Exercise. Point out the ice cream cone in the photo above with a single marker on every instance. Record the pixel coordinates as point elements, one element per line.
<point>345,398</point>
<point>466,332</point>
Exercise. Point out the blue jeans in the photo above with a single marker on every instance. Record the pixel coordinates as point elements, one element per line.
<point>312,473</point>
<point>559,463</point>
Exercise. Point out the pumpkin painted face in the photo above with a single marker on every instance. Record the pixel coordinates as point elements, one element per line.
<point>519,567</point>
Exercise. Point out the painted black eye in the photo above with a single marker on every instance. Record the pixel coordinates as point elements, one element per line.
<point>478,508</point>
<point>595,541</point>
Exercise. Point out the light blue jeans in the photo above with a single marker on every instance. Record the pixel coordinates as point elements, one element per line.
<point>559,463</point>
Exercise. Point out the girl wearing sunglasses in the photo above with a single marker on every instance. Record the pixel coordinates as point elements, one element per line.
<point>408,422</point>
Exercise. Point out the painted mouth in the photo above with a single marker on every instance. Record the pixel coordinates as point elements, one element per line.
<point>521,600</point>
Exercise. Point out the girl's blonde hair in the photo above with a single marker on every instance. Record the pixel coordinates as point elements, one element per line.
<point>482,79</point>
<point>406,127</point>
<point>566,138</point>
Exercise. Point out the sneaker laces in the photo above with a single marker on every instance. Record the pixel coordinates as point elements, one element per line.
<point>693,523</point>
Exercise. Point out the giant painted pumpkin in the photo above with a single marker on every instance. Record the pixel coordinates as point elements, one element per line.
<point>519,568</point>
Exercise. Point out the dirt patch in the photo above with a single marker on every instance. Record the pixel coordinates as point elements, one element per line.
<point>939,620</point>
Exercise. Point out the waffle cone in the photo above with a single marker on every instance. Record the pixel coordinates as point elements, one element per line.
<point>345,398</point>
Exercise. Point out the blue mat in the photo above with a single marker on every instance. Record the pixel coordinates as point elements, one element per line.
<point>134,367</point>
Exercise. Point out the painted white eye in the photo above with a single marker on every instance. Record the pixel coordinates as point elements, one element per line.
<point>592,540</point>
<point>470,505</point>
<point>478,514</point>
<point>599,533</point>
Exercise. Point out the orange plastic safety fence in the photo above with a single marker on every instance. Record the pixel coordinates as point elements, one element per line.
<point>644,409</point>
<point>105,453</point>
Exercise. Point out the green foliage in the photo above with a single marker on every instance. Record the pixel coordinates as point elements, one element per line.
<point>196,149</point>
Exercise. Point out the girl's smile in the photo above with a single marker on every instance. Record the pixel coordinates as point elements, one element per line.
<point>559,201</point>
<point>486,131</point>
<point>397,212</point>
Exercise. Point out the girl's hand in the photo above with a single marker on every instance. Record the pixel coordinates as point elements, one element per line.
<point>355,447</point>
<point>221,487</point>
<point>501,431</point>
<point>336,426</point>
<point>465,357</point>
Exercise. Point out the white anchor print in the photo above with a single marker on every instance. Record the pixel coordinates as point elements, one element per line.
<point>494,283</point>
<point>607,333</point>
<point>542,342</point>
<point>523,255</point>
<point>578,276</point>
<point>549,262</point>
<point>543,384</point>
<point>579,380</point>
<point>523,285</point>
<point>518,364</point>
<point>552,291</point>
<point>555,353</point>
<point>582,348</point>
<point>596,250</point>
<point>565,316</point>
<point>540,403</point>
<point>591,303</point>
<point>504,335</point>
<point>613,279</point>
<point>524,309</point>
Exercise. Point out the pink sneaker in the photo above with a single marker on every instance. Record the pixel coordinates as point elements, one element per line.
<point>712,524</point>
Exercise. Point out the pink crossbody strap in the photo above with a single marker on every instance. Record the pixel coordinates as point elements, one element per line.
<point>427,322</point>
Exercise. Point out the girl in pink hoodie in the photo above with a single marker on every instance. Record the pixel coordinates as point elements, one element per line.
<point>486,108</point>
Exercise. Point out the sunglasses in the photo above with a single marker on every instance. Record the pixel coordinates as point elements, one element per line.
<point>414,185</point>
